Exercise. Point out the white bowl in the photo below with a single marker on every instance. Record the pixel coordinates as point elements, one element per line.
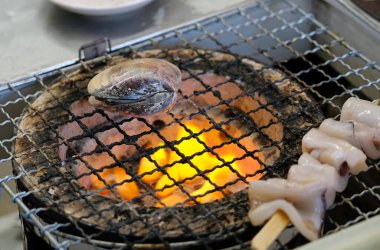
<point>100,7</point>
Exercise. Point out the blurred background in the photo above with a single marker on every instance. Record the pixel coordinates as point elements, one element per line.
<point>36,34</point>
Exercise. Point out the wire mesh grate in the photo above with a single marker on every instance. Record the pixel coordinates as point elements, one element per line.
<point>279,35</point>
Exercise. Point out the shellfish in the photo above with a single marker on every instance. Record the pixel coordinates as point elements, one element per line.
<point>137,87</point>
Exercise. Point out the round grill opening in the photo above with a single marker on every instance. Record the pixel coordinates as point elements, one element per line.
<point>244,118</point>
<point>185,160</point>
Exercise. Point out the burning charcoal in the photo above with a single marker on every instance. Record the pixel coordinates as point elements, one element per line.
<point>114,167</point>
<point>137,87</point>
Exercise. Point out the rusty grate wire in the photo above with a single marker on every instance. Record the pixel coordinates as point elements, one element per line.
<point>278,34</point>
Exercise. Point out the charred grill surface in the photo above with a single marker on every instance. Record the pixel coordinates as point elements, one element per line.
<point>279,115</point>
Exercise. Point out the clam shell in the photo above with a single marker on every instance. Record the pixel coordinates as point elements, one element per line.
<point>139,87</point>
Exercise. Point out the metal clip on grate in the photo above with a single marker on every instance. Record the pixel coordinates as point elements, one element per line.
<point>260,73</point>
<point>94,49</point>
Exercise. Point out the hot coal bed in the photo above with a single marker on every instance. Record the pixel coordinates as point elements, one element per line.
<point>259,102</point>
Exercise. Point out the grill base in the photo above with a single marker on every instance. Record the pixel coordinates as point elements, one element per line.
<point>32,241</point>
<point>272,100</point>
<point>273,32</point>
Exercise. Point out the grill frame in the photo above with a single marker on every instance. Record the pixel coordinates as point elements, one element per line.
<point>199,25</point>
<point>226,210</point>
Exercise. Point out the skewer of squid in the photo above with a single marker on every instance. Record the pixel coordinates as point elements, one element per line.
<point>322,182</point>
<point>270,231</point>
<point>279,220</point>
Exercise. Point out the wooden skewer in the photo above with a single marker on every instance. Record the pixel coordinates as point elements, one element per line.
<point>279,221</point>
<point>270,232</point>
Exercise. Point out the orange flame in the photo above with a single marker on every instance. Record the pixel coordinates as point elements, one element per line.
<point>116,176</point>
<point>190,172</point>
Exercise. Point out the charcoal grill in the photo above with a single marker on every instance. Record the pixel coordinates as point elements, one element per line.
<point>301,56</point>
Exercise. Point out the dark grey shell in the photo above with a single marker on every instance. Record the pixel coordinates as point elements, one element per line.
<point>139,87</point>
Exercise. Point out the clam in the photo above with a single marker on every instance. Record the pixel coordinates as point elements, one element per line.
<point>138,87</point>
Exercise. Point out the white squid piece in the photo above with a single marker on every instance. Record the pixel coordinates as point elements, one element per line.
<point>303,203</point>
<point>309,169</point>
<point>356,133</point>
<point>328,155</point>
<point>335,152</point>
<point>309,190</point>
<point>361,111</point>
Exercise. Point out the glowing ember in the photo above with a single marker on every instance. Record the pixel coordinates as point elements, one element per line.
<point>200,167</point>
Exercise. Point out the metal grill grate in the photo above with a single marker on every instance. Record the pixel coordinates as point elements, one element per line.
<point>278,34</point>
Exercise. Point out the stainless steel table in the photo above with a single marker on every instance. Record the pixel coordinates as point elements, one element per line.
<point>35,34</point>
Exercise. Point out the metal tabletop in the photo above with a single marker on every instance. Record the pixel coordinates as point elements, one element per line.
<point>36,34</point>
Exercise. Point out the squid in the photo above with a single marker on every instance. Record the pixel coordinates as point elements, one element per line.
<point>361,111</point>
<point>309,168</point>
<point>304,196</point>
<point>356,133</point>
<point>303,203</point>
<point>335,152</point>
<point>330,153</point>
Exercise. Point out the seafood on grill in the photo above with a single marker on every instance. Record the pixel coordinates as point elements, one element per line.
<point>75,152</point>
<point>355,109</point>
<point>137,87</point>
<point>304,196</point>
<point>356,133</point>
<point>335,152</point>
<point>308,168</point>
<point>330,154</point>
